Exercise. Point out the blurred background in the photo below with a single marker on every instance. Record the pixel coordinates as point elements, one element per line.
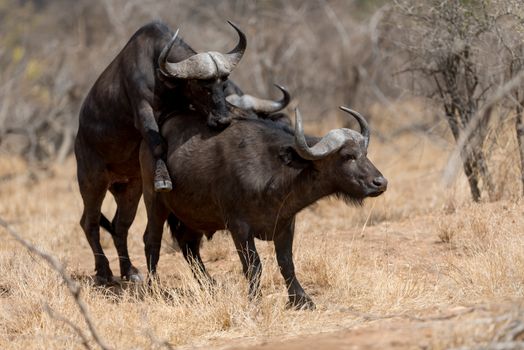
<point>424,73</point>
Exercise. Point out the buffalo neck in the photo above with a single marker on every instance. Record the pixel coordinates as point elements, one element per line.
<point>307,187</point>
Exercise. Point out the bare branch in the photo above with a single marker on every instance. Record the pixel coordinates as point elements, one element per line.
<point>452,166</point>
<point>73,287</point>
<point>153,338</point>
<point>78,330</point>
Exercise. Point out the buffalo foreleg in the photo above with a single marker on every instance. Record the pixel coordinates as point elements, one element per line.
<point>157,215</point>
<point>148,127</point>
<point>284,251</point>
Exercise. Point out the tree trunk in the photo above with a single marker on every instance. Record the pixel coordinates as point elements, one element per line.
<point>468,158</point>
<point>485,174</point>
<point>481,157</point>
<point>469,161</point>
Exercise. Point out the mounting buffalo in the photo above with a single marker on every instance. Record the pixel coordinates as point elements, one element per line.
<point>155,75</point>
<point>252,178</point>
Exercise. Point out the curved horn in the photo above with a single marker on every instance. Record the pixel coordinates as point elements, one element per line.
<point>163,64</point>
<point>327,145</point>
<point>234,56</point>
<point>205,65</point>
<point>364,126</point>
<point>259,105</point>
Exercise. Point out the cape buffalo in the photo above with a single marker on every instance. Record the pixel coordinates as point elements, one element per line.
<point>252,179</point>
<point>156,74</point>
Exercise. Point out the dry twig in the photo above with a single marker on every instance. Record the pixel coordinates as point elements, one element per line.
<point>161,343</point>
<point>78,330</point>
<point>73,287</point>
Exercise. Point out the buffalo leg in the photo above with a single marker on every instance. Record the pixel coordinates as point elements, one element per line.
<point>156,217</point>
<point>284,251</point>
<point>189,242</point>
<point>127,196</point>
<point>93,190</point>
<point>150,133</point>
<point>251,266</point>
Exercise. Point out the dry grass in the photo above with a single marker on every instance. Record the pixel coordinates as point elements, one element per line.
<point>416,254</point>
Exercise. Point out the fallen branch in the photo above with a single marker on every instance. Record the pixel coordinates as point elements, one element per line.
<point>374,317</point>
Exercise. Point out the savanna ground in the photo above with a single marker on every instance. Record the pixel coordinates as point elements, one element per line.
<point>419,267</point>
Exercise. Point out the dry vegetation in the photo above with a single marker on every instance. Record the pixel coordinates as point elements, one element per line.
<point>420,267</point>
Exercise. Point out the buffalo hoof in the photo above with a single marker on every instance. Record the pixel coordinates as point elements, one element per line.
<point>104,275</point>
<point>163,186</point>
<point>162,180</point>
<point>300,303</point>
<point>135,278</point>
<point>133,275</point>
<point>104,280</point>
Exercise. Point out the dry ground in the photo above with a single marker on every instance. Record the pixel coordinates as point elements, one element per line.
<point>420,267</point>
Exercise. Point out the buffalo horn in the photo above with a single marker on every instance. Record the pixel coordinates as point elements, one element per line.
<point>259,105</point>
<point>234,56</point>
<point>327,145</point>
<point>162,59</point>
<point>205,65</point>
<point>364,126</point>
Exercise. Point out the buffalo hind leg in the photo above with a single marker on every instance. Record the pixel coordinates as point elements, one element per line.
<point>189,242</point>
<point>127,195</point>
<point>93,193</point>
<point>251,266</point>
<point>284,251</point>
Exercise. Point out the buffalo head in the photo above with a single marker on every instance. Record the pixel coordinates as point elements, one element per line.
<point>341,156</point>
<point>203,79</point>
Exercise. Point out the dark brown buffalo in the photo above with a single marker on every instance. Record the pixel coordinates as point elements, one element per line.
<point>252,179</point>
<point>155,75</point>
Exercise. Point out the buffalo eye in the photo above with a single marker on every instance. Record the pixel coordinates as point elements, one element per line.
<point>348,156</point>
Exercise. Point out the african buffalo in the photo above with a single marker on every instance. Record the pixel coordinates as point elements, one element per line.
<point>155,75</point>
<point>252,178</point>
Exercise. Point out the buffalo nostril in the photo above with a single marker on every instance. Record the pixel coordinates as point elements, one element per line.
<point>380,182</point>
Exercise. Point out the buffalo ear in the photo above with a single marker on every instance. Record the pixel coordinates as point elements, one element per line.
<point>280,117</point>
<point>167,82</point>
<point>290,157</point>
